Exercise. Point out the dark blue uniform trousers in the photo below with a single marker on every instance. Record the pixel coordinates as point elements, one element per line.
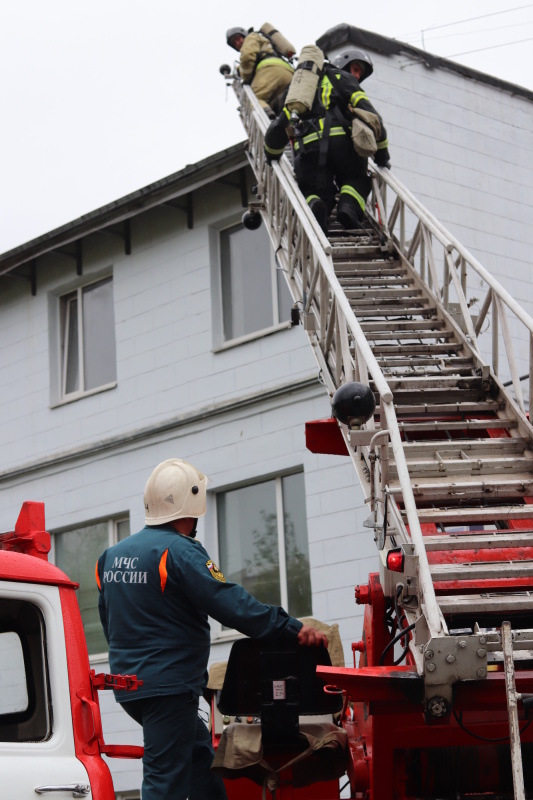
<point>177,749</point>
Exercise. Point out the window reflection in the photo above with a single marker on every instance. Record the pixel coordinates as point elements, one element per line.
<point>263,542</point>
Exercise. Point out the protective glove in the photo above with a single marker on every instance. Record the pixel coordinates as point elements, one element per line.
<point>382,158</point>
<point>270,158</point>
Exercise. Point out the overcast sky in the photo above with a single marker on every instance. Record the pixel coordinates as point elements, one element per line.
<point>102,97</point>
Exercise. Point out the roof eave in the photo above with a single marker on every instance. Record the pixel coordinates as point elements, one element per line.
<point>342,34</point>
<point>192,177</point>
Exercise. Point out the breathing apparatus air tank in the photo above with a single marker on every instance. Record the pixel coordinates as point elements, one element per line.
<point>278,40</point>
<point>305,80</point>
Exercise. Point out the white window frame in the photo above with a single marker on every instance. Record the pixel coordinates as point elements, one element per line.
<point>218,322</point>
<point>218,634</point>
<point>63,350</point>
<point>112,538</point>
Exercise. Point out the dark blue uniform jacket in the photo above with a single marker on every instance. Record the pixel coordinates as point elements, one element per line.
<point>157,589</point>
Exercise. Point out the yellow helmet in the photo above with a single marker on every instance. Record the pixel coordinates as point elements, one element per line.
<point>174,490</point>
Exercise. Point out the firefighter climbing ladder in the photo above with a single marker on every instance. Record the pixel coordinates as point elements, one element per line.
<point>447,462</point>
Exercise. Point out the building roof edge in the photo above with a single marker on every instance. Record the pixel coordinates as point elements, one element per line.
<point>179,183</point>
<point>340,34</point>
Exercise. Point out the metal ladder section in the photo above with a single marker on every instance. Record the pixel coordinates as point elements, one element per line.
<point>447,462</point>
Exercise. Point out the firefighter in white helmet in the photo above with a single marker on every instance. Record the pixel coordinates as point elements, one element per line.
<point>156,591</point>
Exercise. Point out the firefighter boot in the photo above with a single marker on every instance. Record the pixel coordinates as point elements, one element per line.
<point>320,211</point>
<point>349,213</point>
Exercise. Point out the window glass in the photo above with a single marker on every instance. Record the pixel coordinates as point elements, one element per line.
<point>263,543</point>
<point>123,529</point>
<point>76,552</point>
<point>72,349</point>
<point>296,545</point>
<point>13,687</point>
<point>24,700</point>
<point>88,337</point>
<point>248,539</point>
<point>99,356</point>
<point>246,281</point>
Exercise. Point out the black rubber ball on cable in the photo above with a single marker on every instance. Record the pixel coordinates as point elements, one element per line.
<point>353,403</point>
<point>251,220</point>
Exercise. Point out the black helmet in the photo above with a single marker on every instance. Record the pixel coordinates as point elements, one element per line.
<point>353,403</point>
<point>231,32</point>
<point>345,58</point>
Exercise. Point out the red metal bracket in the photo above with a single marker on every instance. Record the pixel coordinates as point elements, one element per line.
<point>29,536</point>
<point>124,683</point>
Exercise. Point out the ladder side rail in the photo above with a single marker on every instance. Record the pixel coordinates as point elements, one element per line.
<point>452,268</point>
<point>509,349</point>
<point>379,202</point>
<point>433,280</point>
<point>512,711</point>
<point>344,317</point>
<point>483,312</point>
<point>530,367</point>
<point>424,575</point>
<point>494,289</point>
<point>444,236</point>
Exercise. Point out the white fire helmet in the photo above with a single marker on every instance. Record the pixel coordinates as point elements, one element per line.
<point>174,490</point>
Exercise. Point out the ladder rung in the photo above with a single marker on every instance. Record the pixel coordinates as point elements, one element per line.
<point>465,424</point>
<point>443,384</point>
<point>484,540</point>
<point>467,466</point>
<point>376,282</point>
<point>402,325</point>
<point>378,268</point>
<point>362,272</point>
<point>351,250</point>
<point>408,311</point>
<point>424,367</point>
<point>481,570</point>
<point>486,603</point>
<point>426,395</point>
<point>496,486</point>
<point>472,447</point>
<point>483,407</point>
<point>395,335</point>
<point>371,305</point>
<point>471,514</point>
<point>384,294</point>
<point>409,350</point>
<point>494,469</point>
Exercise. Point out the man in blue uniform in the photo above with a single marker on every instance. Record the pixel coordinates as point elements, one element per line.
<point>156,591</point>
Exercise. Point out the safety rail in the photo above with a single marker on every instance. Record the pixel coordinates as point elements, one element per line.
<point>339,343</point>
<point>447,267</point>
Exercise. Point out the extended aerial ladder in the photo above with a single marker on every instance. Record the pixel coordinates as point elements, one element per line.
<point>446,466</point>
